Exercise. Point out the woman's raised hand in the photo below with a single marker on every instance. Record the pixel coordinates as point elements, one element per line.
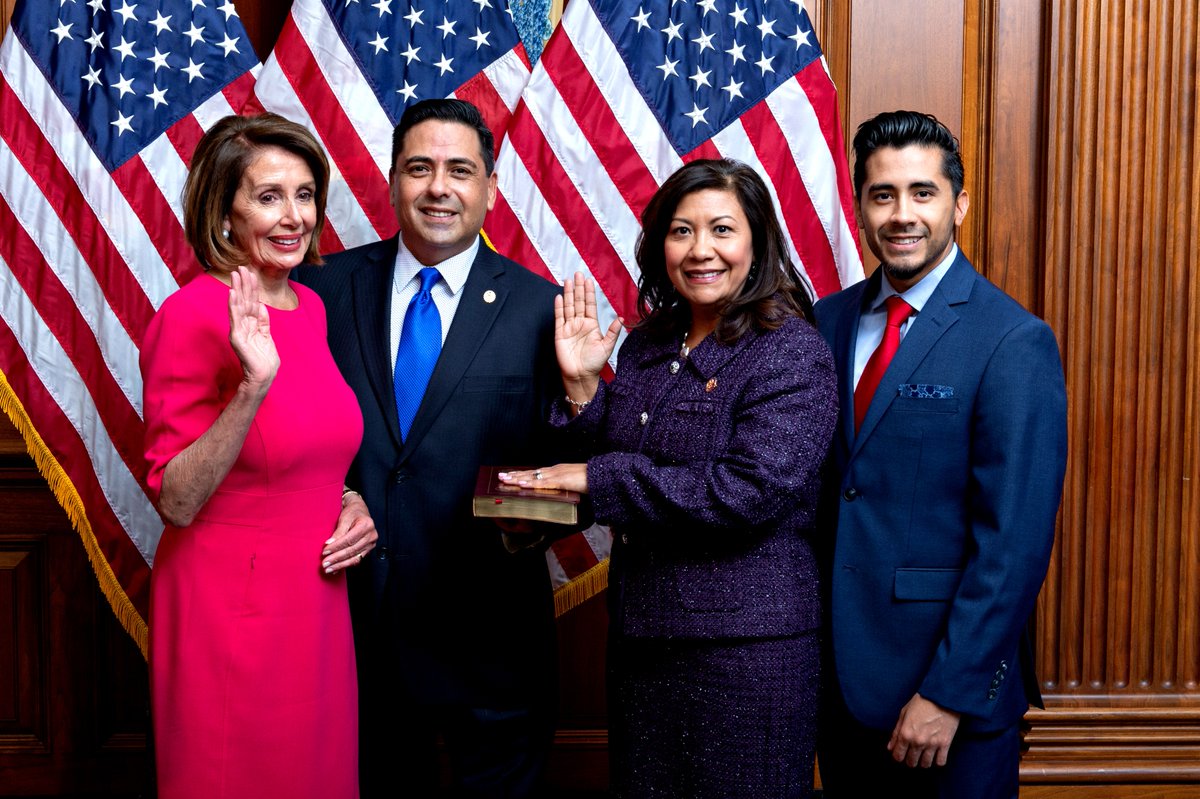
<point>581,347</point>
<point>250,331</point>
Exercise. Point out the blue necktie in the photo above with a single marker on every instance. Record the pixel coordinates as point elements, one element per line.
<point>420,345</point>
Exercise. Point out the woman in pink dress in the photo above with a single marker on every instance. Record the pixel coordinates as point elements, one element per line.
<point>250,430</point>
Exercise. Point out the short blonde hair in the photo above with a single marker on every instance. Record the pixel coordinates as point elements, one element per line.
<point>220,160</point>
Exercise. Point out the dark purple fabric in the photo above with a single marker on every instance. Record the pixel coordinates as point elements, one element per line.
<point>712,500</point>
<point>708,470</point>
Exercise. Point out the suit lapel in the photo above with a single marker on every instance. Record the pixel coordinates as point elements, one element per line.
<point>845,338</point>
<point>372,292</point>
<point>930,325</point>
<point>472,321</point>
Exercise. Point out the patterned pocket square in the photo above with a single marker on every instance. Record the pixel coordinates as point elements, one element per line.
<point>926,391</point>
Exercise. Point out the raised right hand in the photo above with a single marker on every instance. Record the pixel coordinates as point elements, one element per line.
<point>581,348</point>
<point>250,331</point>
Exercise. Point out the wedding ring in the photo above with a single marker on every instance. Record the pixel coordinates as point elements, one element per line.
<point>537,475</point>
<point>361,555</point>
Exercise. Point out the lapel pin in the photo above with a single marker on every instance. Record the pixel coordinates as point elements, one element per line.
<point>711,384</point>
<point>489,296</point>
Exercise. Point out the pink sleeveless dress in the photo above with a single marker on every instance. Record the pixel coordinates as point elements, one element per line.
<point>251,655</point>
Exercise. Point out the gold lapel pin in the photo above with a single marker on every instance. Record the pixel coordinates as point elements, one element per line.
<point>489,296</point>
<point>711,384</point>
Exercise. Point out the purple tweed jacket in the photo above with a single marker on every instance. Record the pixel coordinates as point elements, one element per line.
<point>708,470</point>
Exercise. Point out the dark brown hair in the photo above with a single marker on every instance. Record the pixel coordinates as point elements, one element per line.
<point>774,289</point>
<point>220,160</point>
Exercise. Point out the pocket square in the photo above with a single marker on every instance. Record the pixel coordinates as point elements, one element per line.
<point>926,391</point>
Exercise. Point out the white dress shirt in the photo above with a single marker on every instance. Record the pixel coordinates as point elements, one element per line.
<point>872,321</point>
<point>446,292</point>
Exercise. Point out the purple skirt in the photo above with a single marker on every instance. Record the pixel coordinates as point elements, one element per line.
<point>713,718</point>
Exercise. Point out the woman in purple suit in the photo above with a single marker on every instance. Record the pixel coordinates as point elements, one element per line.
<point>706,463</point>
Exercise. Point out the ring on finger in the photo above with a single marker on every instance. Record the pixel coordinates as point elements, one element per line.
<point>537,475</point>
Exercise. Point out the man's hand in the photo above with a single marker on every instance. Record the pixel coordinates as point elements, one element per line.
<point>923,733</point>
<point>353,537</point>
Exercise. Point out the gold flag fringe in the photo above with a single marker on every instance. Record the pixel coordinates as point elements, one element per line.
<point>68,497</point>
<point>581,589</point>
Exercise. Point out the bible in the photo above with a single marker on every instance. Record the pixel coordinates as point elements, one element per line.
<point>495,500</point>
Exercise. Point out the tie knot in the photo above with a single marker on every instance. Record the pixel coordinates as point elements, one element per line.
<point>897,310</point>
<point>429,278</point>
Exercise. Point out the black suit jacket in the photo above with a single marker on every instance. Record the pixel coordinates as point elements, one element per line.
<point>453,615</point>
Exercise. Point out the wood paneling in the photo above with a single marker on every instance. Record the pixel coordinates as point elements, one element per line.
<point>1118,630</point>
<point>74,709</point>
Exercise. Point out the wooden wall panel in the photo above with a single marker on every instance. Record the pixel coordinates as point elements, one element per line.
<point>74,709</point>
<point>1118,628</point>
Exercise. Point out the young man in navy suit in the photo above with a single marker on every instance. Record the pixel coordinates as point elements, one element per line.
<point>949,462</point>
<point>453,369</point>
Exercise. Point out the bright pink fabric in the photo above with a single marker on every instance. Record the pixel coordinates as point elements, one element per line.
<point>251,655</point>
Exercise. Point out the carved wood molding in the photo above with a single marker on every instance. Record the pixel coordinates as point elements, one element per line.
<point>1113,745</point>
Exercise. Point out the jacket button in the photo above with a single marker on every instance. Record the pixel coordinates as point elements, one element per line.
<point>645,417</point>
<point>625,539</point>
<point>850,494</point>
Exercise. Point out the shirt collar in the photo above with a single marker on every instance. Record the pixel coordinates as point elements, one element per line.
<point>454,270</point>
<point>917,295</point>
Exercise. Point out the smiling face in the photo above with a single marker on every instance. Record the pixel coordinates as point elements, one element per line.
<point>440,190</point>
<point>908,211</point>
<point>708,252</point>
<point>274,210</point>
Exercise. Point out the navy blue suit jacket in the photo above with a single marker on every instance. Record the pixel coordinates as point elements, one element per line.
<point>465,620</point>
<point>945,503</point>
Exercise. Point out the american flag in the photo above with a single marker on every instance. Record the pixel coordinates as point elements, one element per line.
<point>101,104</point>
<point>348,68</point>
<point>625,92</point>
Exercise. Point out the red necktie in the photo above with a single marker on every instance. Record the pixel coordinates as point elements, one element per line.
<point>897,311</point>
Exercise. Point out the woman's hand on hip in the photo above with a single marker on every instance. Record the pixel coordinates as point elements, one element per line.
<point>353,537</point>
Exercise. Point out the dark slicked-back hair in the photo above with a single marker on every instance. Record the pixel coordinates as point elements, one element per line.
<point>459,111</point>
<point>221,158</point>
<point>774,290</point>
<point>901,129</point>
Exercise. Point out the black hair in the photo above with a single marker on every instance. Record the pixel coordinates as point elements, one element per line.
<point>773,291</point>
<point>900,129</point>
<point>445,110</point>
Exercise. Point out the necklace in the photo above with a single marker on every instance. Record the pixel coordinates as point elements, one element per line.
<point>676,364</point>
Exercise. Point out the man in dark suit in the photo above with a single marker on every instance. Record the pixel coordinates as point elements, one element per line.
<point>949,463</point>
<point>453,368</point>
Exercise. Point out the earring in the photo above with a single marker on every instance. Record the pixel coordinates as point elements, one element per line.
<point>753,272</point>
<point>225,233</point>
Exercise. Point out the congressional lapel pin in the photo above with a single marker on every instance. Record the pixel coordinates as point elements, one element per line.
<point>489,296</point>
<point>711,384</point>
